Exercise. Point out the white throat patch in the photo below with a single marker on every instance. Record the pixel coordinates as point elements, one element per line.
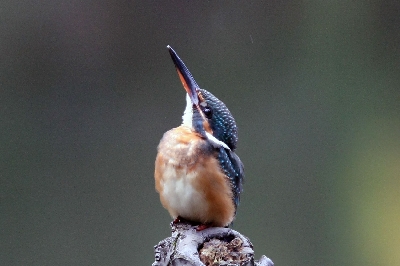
<point>188,113</point>
<point>187,121</point>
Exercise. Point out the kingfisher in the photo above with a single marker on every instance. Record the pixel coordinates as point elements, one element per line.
<point>197,173</point>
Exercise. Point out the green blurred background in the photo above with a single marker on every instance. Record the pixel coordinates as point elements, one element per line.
<point>88,89</point>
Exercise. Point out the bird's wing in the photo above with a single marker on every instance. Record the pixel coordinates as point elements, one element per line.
<point>234,170</point>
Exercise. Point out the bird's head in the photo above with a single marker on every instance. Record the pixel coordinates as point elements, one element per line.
<point>204,112</point>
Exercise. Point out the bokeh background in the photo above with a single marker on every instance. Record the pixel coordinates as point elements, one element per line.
<point>88,89</point>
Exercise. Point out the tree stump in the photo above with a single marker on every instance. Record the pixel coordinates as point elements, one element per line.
<point>210,247</point>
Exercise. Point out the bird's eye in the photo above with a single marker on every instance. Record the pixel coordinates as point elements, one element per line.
<point>207,112</point>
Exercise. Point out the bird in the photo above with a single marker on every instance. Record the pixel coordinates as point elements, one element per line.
<point>197,173</point>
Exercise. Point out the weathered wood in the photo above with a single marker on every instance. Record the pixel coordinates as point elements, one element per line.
<point>210,247</point>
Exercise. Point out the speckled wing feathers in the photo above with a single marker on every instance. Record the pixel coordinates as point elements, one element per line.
<point>234,170</point>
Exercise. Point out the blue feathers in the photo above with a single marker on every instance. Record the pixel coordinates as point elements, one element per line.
<point>222,122</point>
<point>224,129</point>
<point>233,169</point>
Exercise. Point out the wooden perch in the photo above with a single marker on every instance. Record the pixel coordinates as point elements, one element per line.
<point>210,247</point>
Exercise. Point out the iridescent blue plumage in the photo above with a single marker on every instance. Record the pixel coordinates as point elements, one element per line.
<point>224,129</point>
<point>234,170</point>
<point>222,122</point>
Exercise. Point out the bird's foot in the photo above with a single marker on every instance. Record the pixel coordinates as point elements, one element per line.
<point>179,220</point>
<point>201,227</point>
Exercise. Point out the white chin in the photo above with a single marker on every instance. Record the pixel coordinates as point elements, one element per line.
<point>187,121</point>
<point>188,113</point>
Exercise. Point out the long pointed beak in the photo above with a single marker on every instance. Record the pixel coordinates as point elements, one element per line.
<point>185,76</point>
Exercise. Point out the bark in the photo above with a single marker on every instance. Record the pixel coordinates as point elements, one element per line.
<point>210,247</point>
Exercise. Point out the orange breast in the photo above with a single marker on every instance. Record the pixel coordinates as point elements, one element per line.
<point>190,181</point>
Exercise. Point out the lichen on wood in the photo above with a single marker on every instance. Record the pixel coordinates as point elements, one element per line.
<point>210,247</point>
